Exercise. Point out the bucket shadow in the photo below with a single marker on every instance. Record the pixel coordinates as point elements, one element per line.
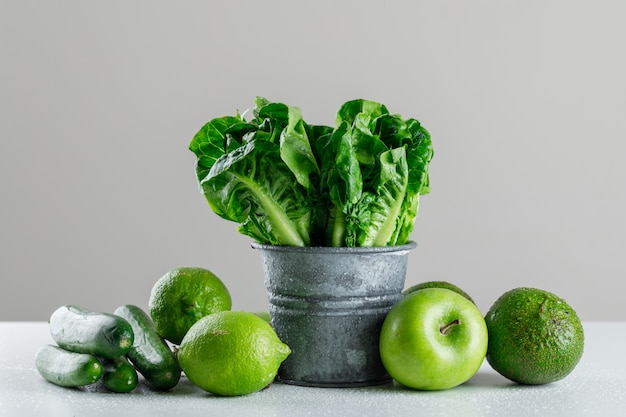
<point>480,381</point>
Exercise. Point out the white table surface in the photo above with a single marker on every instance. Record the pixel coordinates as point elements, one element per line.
<point>597,387</point>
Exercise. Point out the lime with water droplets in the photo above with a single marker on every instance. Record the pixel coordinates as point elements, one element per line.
<point>183,296</point>
<point>231,353</point>
<point>535,337</point>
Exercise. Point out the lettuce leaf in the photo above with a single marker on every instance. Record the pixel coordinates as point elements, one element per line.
<point>242,173</point>
<point>381,168</point>
<point>290,183</point>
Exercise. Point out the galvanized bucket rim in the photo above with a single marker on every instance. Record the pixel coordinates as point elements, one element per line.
<point>332,249</point>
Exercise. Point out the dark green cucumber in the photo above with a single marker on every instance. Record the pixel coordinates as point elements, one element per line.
<point>101,334</point>
<point>119,375</point>
<point>67,369</point>
<point>150,354</point>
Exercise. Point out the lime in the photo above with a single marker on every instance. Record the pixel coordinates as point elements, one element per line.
<point>183,296</point>
<point>231,353</point>
<point>264,315</point>
<point>535,337</point>
<point>437,284</point>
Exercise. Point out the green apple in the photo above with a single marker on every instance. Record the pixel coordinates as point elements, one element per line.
<point>433,339</point>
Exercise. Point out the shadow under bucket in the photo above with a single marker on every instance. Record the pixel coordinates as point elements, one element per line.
<point>328,305</point>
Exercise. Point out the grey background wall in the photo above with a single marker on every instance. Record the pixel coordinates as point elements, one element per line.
<point>525,101</point>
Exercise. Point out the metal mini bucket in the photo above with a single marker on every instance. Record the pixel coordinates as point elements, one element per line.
<point>328,305</point>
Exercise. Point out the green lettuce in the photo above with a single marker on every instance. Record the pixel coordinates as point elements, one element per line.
<point>290,183</point>
<point>376,167</point>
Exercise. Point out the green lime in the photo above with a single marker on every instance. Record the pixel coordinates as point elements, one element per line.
<point>437,284</point>
<point>231,353</point>
<point>183,296</point>
<point>264,315</point>
<point>535,337</point>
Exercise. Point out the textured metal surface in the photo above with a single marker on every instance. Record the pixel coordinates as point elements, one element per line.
<point>328,305</point>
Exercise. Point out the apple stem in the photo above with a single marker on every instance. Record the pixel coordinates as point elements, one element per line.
<point>446,329</point>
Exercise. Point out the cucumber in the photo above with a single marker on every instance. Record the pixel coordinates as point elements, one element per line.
<point>119,375</point>
<point>101,334</point>
<point>150,354</point>
<point>67,369</point>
